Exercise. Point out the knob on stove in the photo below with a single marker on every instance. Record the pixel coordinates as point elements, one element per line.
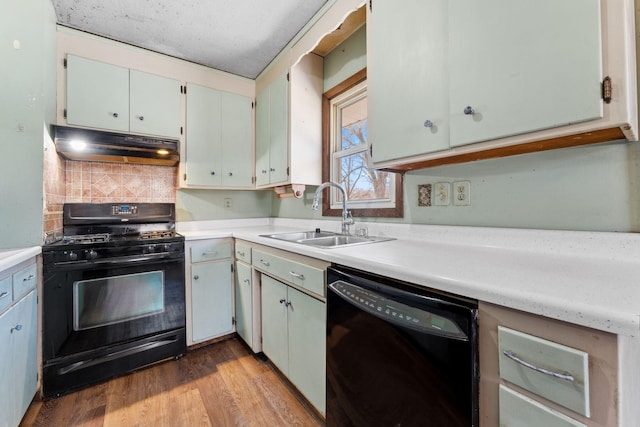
<point>72,256</point>
<point>91,254</point>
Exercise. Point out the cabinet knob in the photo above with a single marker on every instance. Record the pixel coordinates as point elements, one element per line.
<point>141,118</point>
<point>230,173</point>
<point>16,328</point>
<point>272,169</point>
<point>428,123</point>
<point>115,115</point>
<point>247,281</point>
<point>196,277</point>
<point>213,172</point>
<point>469,111</point>
<point>264,171</point>
<point>282,301</point>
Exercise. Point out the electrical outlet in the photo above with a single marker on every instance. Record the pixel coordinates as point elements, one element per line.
<point>462,193</point>
<point>442,194</point>
<point>228,203</point>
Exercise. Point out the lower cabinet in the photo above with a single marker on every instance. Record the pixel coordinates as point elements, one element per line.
<point>538,371</point>
<point>209,289</point>
<point>18,346</point>
<point>293,337</point>
<point>244,303</point>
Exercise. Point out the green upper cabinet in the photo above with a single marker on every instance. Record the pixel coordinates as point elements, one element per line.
<point>272,124</point>
<point>155,105</point>
<point>289,126</point>
<point>106,96</point>
<point>97,94</point>
<point>519,66</point>
<point>407,78</point>
<point>218,139</point>
<point>466,80</point>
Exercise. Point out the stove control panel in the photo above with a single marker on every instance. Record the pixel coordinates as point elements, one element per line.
<point>124,209</point>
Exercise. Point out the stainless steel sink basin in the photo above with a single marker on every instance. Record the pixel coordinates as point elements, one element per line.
<point>326,239</point>
<point>300,235</point>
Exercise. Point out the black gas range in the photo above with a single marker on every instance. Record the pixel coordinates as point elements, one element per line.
<point>113,293</point>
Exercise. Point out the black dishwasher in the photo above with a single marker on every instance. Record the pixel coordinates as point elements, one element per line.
<point>399,354</point>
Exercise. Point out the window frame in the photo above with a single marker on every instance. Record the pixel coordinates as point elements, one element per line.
<point>328,157</point>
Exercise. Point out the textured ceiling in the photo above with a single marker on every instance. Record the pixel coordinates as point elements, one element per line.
<point>237,36</point>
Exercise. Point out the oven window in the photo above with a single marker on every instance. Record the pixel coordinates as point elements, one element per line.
<point>110,300</point>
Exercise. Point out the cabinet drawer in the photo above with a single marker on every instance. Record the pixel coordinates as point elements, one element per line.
<point>303,275</point>
<point>6,294</point>
<point>530,362</point>
<point>243,253</point>
<point>210,250</point>
<point>24,280</point>
<point>521,411</point>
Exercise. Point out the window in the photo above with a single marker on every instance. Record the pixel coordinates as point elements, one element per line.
<point>370,192</point>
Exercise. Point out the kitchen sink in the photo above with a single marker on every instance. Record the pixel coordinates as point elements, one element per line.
<point>326,239</point>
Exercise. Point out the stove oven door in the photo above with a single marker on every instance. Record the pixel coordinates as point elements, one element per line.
<point>103,318</point>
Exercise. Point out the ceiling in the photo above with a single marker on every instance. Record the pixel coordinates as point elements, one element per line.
<point>237,36</point>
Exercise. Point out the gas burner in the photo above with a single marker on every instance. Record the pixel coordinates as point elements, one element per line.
<point>162,234</point>
<point>86,238</point>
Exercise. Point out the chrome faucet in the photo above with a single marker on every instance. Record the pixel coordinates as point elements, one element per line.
<point>347,219</point>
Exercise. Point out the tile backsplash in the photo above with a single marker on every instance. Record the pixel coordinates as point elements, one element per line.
<point>68,181</point>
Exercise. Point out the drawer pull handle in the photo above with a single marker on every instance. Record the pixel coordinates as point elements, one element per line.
<point>247,281</point>
<point>241,253</point>
<point>27,279</point>
<point>265,263</point>
<point>564,376</point>
<point>210,253</point>
<point>16,328</point>
<point>4,295</point>
<point>296,275</point>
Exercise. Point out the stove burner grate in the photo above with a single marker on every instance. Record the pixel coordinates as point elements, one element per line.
<point>87,238</point>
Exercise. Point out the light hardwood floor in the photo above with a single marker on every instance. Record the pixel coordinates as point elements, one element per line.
<point>222,384</point>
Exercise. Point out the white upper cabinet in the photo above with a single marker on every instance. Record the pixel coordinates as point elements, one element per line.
<point>219,144</point>
<point>455,81</point>
<point>520,66</point>
<point>289,126</point>
<point>106,96</point>
<point>408,79</point>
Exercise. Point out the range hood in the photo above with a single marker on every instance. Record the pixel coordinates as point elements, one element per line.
<point>101,146</point>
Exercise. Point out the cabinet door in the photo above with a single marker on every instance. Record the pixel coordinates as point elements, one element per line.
<point>274,323</point>
<point>203,142</point>
<point>307,346</point>
<point>24,347</point>
<point>407,78</point>
<point>155,105</point>
<point>279,130</point>
<point>236,125</point>
<point>244,308</point>
<point>211,299</point>
<point>262,138</point>
<point>97,94</point>
<point>7,394</point>
<point>522,66</point>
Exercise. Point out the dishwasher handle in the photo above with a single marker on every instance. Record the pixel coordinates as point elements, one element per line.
<point>395,312</point>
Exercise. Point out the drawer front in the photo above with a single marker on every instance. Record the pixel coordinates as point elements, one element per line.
<point>24,280</point>
<point>6,293</point>
<point>210,250</point>
<point>530,362</point>
<point>305,276</point>
<point>521,411</point>
<point>243,253</point>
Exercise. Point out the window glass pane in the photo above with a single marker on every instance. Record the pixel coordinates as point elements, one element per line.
<point>353,120</point>
<point>360,182</point>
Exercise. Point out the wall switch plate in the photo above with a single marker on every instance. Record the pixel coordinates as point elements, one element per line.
<point>441,194</point>
<point>462,193</point>
<point>228,203</point>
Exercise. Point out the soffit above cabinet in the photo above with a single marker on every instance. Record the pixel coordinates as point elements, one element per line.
<point>240,37</point>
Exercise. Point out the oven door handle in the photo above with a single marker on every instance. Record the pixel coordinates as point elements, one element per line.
<point>134,259</point>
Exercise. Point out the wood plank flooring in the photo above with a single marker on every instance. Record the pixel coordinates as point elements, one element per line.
<point>222,384</point>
